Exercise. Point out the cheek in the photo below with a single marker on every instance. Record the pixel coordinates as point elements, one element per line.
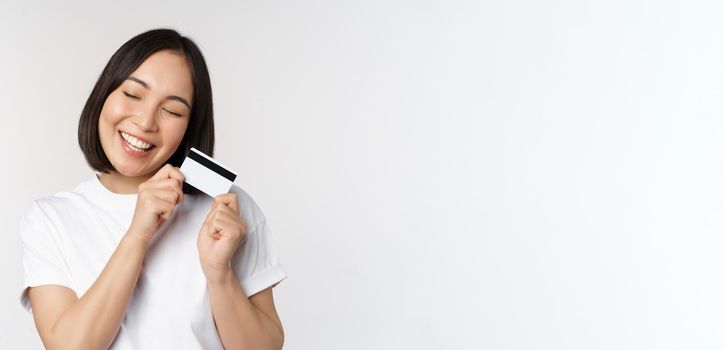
<point>113,110</point>
<point>174,130</point>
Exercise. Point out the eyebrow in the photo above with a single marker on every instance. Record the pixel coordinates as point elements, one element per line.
<point>171,97</point>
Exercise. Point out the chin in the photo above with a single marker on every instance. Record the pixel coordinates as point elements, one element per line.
<point>129,169</point>
<point>131,172</point>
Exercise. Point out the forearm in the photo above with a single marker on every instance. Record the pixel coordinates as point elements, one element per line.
<point>239,323</point>
<point>93,321</point>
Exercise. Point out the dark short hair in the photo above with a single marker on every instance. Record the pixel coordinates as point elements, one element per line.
<point>200,130</point>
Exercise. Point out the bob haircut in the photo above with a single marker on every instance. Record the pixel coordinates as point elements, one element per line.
<point>200,130</point>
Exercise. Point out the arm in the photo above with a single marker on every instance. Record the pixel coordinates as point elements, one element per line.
<point>244,323</point>
<point>91,322</point>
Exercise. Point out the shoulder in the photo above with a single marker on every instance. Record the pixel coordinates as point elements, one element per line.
<point>248,208</point>
<point>38,219</point>
<point>46,210</point>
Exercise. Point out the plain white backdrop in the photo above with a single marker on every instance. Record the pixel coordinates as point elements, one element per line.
<point>437,174</point>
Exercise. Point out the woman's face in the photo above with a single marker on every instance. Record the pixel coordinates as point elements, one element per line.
<point>144,120</point>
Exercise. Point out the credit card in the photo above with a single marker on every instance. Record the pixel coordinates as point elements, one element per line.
<point>206,174</point>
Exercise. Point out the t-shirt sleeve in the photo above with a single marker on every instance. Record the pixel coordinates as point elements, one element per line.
<point>43,262</point>
<point>255,264</point>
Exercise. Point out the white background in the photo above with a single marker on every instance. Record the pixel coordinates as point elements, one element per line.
<point>437,174</point>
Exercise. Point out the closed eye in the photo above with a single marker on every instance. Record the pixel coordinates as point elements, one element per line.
<point>131,96</point>
<point>174,113</point>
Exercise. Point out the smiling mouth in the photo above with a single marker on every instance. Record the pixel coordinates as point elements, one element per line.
<point>134,143</point>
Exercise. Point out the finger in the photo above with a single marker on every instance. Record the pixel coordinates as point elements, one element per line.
<point>170,185</point>
<point>168,171</point>
<point>208,225</point>
<point>229,222</point>
<point>166,214</point>
<point>210,214</point>
<point>179,189</point>
<point>162,173</point>
<point>218,204</point>
<point>210,230</point>
<point>163,183</point>
<point>228,218</point>
<point>177,175</point>
<point>229,215</point>
<point>171,197</point>
<point>215,235</point>
<point>225,228</point>
<point>228,230</point>
<point>228,199</point>
<point>222,208</point>
<point>161,207</point>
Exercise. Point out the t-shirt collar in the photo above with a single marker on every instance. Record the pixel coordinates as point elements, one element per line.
<point>115,199</point>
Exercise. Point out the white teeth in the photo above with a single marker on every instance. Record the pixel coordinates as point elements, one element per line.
<point>136,144</point>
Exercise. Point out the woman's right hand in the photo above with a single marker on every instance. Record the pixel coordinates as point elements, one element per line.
<point>157,198</point>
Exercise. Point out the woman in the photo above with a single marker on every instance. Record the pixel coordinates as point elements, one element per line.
<point>130,259</point>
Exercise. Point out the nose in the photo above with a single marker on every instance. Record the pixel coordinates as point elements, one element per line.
<point>146,120</point>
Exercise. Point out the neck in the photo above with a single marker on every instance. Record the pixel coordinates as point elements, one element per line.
<point>120,184</point>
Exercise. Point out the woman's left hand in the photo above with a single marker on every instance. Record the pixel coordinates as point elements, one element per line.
<point>222,233</point>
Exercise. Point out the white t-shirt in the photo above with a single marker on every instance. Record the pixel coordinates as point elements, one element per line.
<point>69,237</point>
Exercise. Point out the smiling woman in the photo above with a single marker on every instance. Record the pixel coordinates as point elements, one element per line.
<point>158,71</point>
<point>127,259</point>
<point>144,120</point>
